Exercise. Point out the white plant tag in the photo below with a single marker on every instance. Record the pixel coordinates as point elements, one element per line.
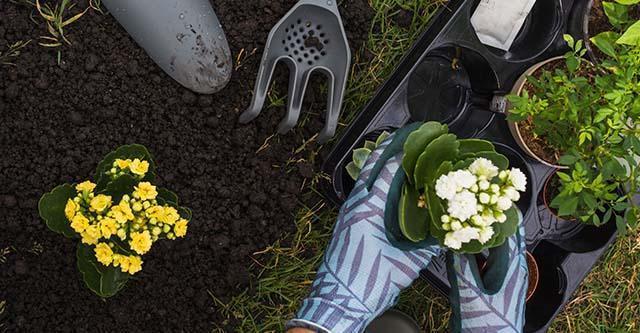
<point>498,22</point>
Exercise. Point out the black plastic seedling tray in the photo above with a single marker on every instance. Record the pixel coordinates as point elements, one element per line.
<point>451,77</point>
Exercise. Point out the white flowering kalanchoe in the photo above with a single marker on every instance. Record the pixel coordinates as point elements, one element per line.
<point>475,199</point>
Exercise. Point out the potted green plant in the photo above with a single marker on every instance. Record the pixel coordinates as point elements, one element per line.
<point>117,219</point>
<point>605,22</point>
<point>586,115</point>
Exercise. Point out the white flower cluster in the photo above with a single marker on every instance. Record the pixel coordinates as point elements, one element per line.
<point>477,198</point>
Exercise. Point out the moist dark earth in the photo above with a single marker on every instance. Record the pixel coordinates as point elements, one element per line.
<point>58,120</point>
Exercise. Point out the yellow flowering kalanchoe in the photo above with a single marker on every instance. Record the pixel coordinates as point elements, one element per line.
<point>138,219</point>
<point>135,167</point>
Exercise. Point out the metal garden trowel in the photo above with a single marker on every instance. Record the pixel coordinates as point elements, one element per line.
<point>310,37</point>
<point>184,37</point>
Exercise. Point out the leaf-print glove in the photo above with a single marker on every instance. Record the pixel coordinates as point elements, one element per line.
<point>495,302</point>
<point>362,274</point>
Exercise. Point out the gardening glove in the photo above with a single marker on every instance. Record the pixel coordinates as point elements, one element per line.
<point>496,302</point>
<point>362,274</point>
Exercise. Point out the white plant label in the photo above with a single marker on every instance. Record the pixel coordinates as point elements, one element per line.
<point>498,22</point>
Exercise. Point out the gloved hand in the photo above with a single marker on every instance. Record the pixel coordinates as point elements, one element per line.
<point>496,302</point>
<point>362,274</point>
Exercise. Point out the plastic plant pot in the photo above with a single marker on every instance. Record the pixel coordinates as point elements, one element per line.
<point>514,127</point>
<point>547,198</point>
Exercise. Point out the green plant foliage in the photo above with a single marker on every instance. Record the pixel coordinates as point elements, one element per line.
<point>104,281</point>
<point>361,155</point>
<point>51,209</point>
<point>589,114</point>
<point>414,220</point>
<point>417,141</point>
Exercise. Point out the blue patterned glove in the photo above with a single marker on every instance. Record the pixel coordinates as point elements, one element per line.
<point>362,274</point>
<point>496,302</point>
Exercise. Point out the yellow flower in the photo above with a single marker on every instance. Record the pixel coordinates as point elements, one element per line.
<point>70,209</point>
<point>122,212</point>
<point>108,227</point>
<point>155,212</point>
<point>139,167</point>
<point>145,191</point>
<point>91,235</point>
<point>104,254</point>
<point>170,215</point>
<point>140,242</point>
<point>180,229</point>
<point>79,223</point>
<point>85,187</point>
<point>122,261</point>
<point>135,264</point>
<point>123,164</point>
<point>100,202</point>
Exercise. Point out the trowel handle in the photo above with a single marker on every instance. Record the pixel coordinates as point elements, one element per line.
<point>492,103</point>
<point>331,5</point>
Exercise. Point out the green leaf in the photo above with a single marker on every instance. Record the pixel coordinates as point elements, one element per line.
<point>605,42</point>
<point>475,145</point>
<point>353,170</point>
<point>370,145</point>
<point>618,14</point>
<point>383,136</point>
<point>124,152</point>
<point>444,148</point>
<point>167,195</point>
<point>417,142</point>
<point>570,40</point>
<point>360,157</point>
<point>621,225</point>
<point>436,210</point>
<point>631,36</point>
<point>102,280</point>
<point>568,206</point>
<point>628,2</point>
<point>568,160</point>
<point>120,186</point>
<point>51,209</point>
<point>413,220</point>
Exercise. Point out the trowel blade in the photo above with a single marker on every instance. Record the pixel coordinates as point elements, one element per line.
<point>184,37</point>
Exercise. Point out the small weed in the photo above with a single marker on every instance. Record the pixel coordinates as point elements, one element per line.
<point>56,20</point>
<point>13,52</point>
<point>36,248</point>
<point>4,253</point>
<point>3,307</point>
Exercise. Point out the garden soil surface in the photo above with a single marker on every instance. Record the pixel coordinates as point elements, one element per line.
<point>58,120</point>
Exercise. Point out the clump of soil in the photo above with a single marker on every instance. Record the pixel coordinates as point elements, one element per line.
<point>58,121</point>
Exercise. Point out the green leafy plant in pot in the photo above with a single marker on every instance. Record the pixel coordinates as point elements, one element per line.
<point>459,191</point>
<point>117,219</point>
<point>588,114</point>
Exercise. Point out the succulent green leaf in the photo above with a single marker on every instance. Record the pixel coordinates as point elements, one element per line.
<point>475,145</point>
<point>444,148</point>
<point>124,152</point>
<point>120,186</point>
<point>51,209</point>
<point>360,157</point>
<point>102,280</point>
<point>370,145</point>
<point>383,136</point>
<point>631,36</point>
<point>417,142</point>
<point>444,168</point>
<point>167,195</point>
<point>436,210</point>
<point>353,170</point>
<point>414,221</point>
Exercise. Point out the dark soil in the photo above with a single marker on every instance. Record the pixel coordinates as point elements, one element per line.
<point>58,121</point>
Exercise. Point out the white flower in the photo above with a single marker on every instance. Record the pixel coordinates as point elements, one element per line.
<point>484,185</point>
<point>455,239</point>
<point>518,179</point>
<point>463,206</point>
<point>504,203</point>
<point>446,188</point>
<point>484,168</point>
<point>501,217</point>
<point>464,179</point>
<point>445,219</point>
<point>495,188</point>
<point>477,221</point>
<point>485,235</point>
<point>488,219</point>
<point>456,225</point>
<point>484,198</point>
<point>512,193</point>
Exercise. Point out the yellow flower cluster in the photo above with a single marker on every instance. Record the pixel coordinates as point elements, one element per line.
<point>136,167</point>
<point>136,221</point>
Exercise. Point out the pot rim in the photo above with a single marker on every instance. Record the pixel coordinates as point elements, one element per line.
<point>514,126</point>
<point>532,264</point>
<point>546,200</point>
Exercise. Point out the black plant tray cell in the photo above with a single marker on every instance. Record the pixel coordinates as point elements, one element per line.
<point>451,77</point>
